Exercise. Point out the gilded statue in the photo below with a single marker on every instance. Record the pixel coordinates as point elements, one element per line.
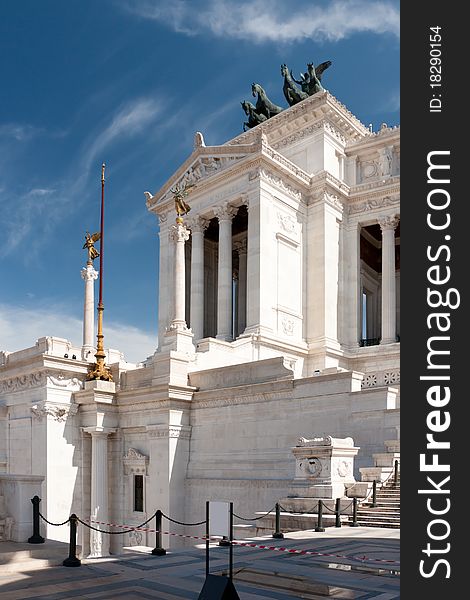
<point>90,245</point>
<point>179,194</point>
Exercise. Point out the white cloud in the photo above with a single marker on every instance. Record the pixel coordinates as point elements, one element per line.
<point>273,20</point>
<point>130,120</point>
<point>19,131</point>
<point>19,221</point>
<point>26,212</point>
<point>21,327</point>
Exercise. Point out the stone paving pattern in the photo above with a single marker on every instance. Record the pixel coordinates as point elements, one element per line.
<point>180,574</point>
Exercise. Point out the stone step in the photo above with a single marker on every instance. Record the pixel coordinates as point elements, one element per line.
<point>378,517</point>
<point>380,509</point>
<point>374,524</point>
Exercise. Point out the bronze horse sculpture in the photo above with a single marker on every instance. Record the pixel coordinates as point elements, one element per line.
<point>264,106</point>
<point>291,92</point>
<point>254,118</point>
<point>310,82</point>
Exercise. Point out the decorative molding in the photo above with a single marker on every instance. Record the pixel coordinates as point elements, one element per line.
<point>286,163</point>
<point>372,204</point>
<point>162,217</point>
<point>169,431</point>
<point>203,167</point>
<point>23,382</point>
<point>65,381</point>
<point>389,222</point>
<point>237,400</point>
<point>381,378</point>
<point>178,233</point>
<point>197,224</point>
<point>279,182</point>
<point>328,198</point>
<point>377,185</point>
<point>288,326</point>
<point>135,463</point>
<point>58,411</point>
<point>369,169</point>
<point>225,212</point>
<point>287,222</point>
<point>88,273</point>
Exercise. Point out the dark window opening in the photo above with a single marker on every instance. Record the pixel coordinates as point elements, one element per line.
<point>138,493</point>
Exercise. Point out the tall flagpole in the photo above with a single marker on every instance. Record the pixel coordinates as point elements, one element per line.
<point>99,370</point>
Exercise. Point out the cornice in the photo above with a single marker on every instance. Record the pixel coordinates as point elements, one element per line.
<point>320,106</point>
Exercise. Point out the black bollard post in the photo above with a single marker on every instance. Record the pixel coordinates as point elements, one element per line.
<point>224,541</point>
<point>395,474</point>
<point>158,550</point>
<point>277,534</point>
<point>319,527</point>
<point>72,560</point>
<point>36,538</point>
<point>354,521</point>
<point>374,494</point>
<point>338,512</point>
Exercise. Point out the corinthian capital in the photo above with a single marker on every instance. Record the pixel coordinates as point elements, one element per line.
<point>387,223</point>
<point>225,212</point>
<point>197,224</point>
<point>88,273</point>
<point>179,233</point>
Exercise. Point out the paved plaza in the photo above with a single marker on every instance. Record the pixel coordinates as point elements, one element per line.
<point>258,574</point>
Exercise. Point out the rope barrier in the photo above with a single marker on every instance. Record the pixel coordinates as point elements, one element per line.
<point>102,530</point>
<point>181,523</point>
<point>53,524</point>
<point>255,518</point>
<point>261,546</point>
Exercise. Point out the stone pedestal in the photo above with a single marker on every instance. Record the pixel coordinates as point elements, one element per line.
<point>323,467</point>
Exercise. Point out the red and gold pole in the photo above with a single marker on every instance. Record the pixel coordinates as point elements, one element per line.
<point>99,370</point>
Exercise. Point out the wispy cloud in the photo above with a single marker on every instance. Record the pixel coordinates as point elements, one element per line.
<point>18,223</point>
<point>40,209</point>
<point>272,20</point>
<point>132,119</point>
<point>19,131</point>
<point>21,327</point>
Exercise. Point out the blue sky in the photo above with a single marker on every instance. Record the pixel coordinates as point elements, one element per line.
<point>128,82</point>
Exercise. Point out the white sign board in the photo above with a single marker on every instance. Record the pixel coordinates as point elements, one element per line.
<point>219,518</point>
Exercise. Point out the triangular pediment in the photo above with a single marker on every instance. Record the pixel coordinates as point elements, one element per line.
<point>203,163</point>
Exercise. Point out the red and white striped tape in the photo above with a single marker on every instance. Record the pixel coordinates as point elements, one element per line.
<point>251,545</point>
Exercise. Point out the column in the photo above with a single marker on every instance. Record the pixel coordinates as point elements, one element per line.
<point>179,234</point>
<point>224,297</point>
<point>99,542</point>
<point>198,226</point>
<point>389,316</point>
<point>241,248</point>
<point>351,299</point>
<point>88,348</point>
<point>165,277</point>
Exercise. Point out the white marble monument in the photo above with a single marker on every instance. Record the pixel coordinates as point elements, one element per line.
<point>279,315</point>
